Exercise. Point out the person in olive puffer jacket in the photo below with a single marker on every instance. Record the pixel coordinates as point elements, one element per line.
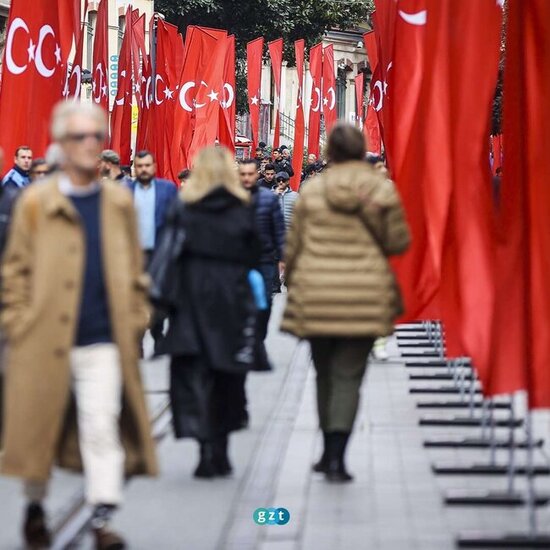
<point>342,293</point>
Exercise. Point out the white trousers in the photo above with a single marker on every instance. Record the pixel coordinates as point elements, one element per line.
<point>97,386</point>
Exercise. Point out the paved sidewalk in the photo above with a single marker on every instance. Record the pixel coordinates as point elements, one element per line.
<point>395,502</point>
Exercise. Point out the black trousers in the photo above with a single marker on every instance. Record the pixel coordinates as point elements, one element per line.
<point>206,403</point>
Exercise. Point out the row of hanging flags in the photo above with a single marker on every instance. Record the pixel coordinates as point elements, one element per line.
<point>182,89</point>
<point>481,267</point>
<point>323,98</point>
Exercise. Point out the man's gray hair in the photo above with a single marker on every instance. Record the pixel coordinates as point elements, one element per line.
<point>67,109</point>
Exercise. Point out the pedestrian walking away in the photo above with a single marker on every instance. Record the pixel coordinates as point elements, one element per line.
<point>342,294</point>
<point>74,309</point>
<point>271,229</point>
<point>211,338</point>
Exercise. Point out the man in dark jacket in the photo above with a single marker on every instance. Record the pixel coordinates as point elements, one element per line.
<point>152,197</point>
<point>281,163</point>
<point>268,181</point>
<point>18,177</point>
<point>270,226</point>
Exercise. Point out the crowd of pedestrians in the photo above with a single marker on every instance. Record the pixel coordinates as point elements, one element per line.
<point>93,258</point>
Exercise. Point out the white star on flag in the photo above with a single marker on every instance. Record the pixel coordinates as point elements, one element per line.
<point>31,49</point>
<point>213,96</point>
<point>104,91</point>
<point>168,94</point>
<point>325,101</point>
<point>254,100</point>
<point>58,53</point>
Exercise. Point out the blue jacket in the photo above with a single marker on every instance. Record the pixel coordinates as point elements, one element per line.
<point>165,193</point>
<point>16,178</point>
<point>269,224</point>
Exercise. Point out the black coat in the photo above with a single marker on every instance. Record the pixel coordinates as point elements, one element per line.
<point>270,224</point>
<point>215,301</point>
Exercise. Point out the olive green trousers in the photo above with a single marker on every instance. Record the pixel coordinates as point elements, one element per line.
<point>340,364</point>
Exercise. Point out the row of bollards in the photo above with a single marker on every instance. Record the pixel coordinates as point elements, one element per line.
<point>453,385</point>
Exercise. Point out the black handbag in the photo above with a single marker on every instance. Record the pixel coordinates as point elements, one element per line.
<point>165,266</point>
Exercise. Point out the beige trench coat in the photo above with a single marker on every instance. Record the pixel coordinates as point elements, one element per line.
<point>42,284</point>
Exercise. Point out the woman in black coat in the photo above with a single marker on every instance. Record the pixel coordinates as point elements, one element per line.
<point>211,335</point>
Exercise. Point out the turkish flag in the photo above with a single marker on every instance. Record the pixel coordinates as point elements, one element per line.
<point>168,69</point>
<point>100,76</point>
<point>299,129</point>
<point>401,99</point>
<point>276,53</point>
<point>73,83</point>
<point>384,22</point>
<point>33,75</point>
<point>144,133</point>
<point>121,117</point>
<point>139,53</point>
<point>359,97</point>
<point>227,125</point>
<point>521,353</point>
<point>254,53</point>
<point>371,127</point>
<point>200,44</point>
<point>209,98</point>
<point>329,89</point>
<point>455,169</point>
<point>314,126</point>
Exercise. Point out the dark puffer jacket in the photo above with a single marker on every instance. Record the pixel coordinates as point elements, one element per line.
<point>269,224</point>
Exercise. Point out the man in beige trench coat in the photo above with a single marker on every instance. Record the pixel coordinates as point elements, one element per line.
<point>74,310</point>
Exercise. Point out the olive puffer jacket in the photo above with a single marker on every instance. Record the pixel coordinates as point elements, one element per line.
<point>346,224</point>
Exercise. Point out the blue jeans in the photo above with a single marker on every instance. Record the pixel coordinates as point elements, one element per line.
<point>268,271</point>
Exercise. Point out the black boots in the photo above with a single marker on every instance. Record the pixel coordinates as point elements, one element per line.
<point>321,466</point>
<point>105,538</point>
<point>206,468</point>
<point>335,469</point>
<point>221,460</point>
<point>213,458</point>
<point>35,529</point>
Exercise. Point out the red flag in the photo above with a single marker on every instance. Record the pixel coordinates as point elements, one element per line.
<point>100,81</point>
<point>70,24</point>
<point>33,75</point>
<point>299,129</point>
<point>121,117</point>
<point>372,130</point>
<point>329,88</point>
<point>139,54</point>
<point>359,97</point>
<point>254,53</point>
<point>401,100</point>
<point>276,54</point>
<point>73,82</point>
<point>314,126</point>
<point>200,43</point>
<point>169,54</point>
<point>496,149</point>
<point>522,315</point>
<point>457,190</point>
<point>144,133</point>
<point>209,96</point>
<point>369,40</point>
<point>227,100</point>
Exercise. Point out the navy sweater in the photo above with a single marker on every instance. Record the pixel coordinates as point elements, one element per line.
<point>94,325</point>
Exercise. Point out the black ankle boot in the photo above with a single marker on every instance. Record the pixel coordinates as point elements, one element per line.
<point>35,529</point>
<point>206,467</point>
<point>336,468</point>
<point>321,466</point>
<point>221,459</point>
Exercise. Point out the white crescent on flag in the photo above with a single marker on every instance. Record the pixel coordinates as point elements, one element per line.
<point>419,18</point>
